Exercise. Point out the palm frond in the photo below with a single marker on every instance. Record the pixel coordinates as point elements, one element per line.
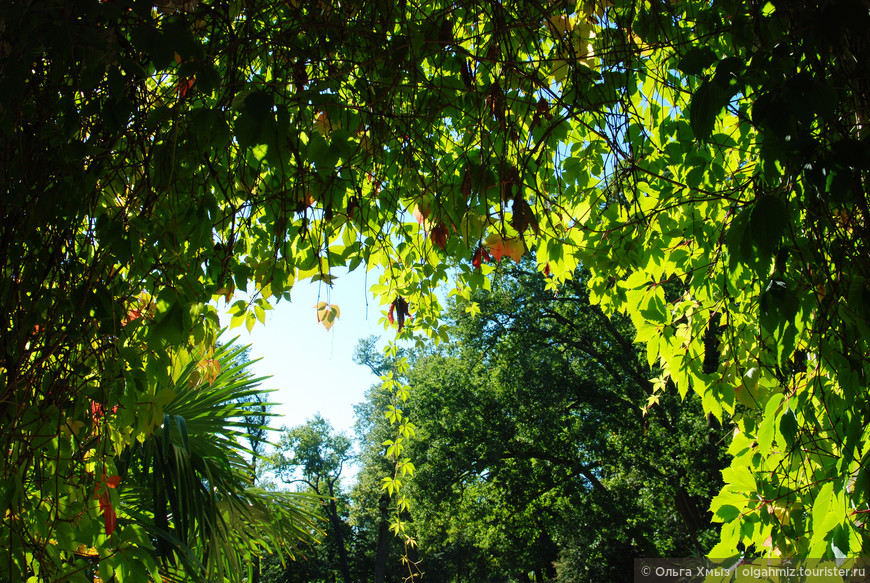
<point>194,478</point>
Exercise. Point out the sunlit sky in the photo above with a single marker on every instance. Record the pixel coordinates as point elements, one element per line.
<point>312,368</point>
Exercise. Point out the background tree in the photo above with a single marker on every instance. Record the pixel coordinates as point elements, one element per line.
<point>539,430</point>
<point>314,456</point>
<point>370,500</point>
<point>378,551</point>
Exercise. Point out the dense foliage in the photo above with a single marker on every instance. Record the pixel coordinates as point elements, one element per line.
<point>706,162</point>
<point>543,448</point>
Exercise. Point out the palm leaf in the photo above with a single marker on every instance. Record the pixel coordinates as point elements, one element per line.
<point>194,477</point>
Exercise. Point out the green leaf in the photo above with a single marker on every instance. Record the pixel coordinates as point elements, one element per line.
<point>740,477</point>
<point>256,123</point>
<point>170,327</point>
<point>739,239</point>
<point>768,423</point>
<point>728,539</point>
<point>696,59</point>
<point>151,41</point>
<point>727,498</point>
<point>182,432</point>
<point>707,101</point>
<point>788,426</point>
<point>726,513</point>
<point>209,126</point>
<point>653,307</point>
<point>826,513</point>
<point>768,224</point>
<point>840,542</point>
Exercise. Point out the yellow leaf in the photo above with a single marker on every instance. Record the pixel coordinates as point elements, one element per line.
<point>326,314</point>
<point>72,427</point>
<point>323,125</point>
<point>558,25</point>
<point>227,293</point>
<point>499,247</point>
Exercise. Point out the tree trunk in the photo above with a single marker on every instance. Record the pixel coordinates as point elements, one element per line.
<point>339,537</point>
<point>690,514</point>
<point>644,543</point>
<point>383,541</point>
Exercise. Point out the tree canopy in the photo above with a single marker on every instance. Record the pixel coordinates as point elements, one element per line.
<point>541,442</point>
<point>706,162</point>
<point>313,455</point>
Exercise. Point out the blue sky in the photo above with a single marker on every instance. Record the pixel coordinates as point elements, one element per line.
<point>312,368</point>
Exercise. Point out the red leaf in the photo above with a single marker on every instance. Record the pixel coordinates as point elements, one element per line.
<point>399,307</point>
<point>499,247</point>
<point>352,206</point>
<point>132,314</point>
<point>110,518</point>
<point>98,411</point>
<point>300,76</point>
<point>543,108</point>
<point>376,184</point>
<point>322,124</point>
<point>479,257</point>
<point>418,214</point>
<point>523,217</point>
<point>439,236</point>
<point>113,481</point>
<point>185,84</point>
